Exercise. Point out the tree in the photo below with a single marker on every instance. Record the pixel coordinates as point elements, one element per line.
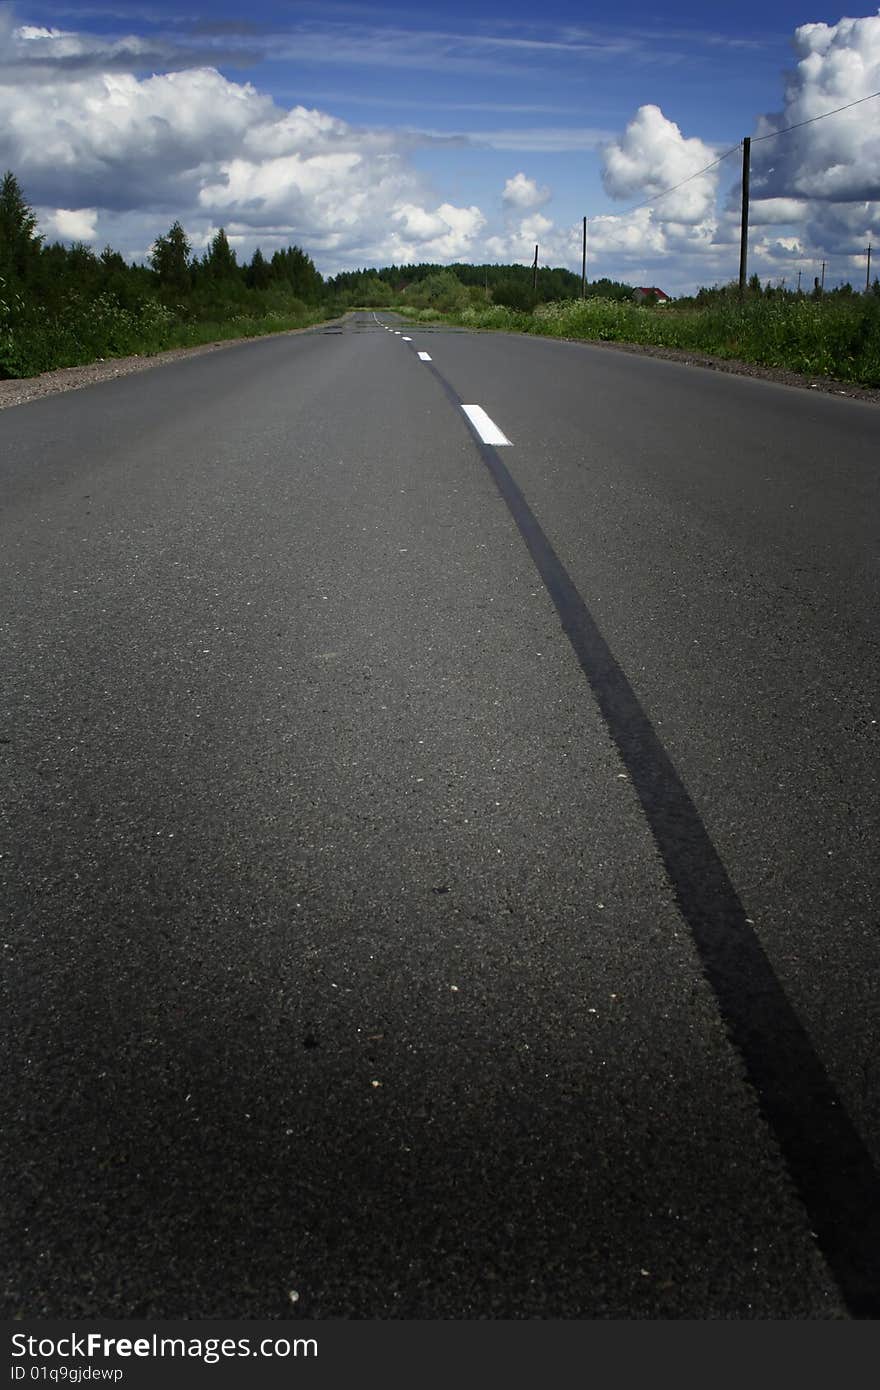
<point>515,294</point>
<point>258,274</point>
<point>112,262</point>
<point>220,261</point>
<point>441,290</point>
<point>170,259</point>
<point>294,266</point>
<point>20,242</point>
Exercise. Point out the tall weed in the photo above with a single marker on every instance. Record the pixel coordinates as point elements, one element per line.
<point>33,339</point>
<point>837,338</point>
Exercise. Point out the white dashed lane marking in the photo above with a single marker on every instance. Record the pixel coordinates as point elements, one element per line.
<point>484,426</point>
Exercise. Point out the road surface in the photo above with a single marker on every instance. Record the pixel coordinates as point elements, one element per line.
<point>439,876</point>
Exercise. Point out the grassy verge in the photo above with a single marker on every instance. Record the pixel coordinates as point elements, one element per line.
<point>837,338</point>
<point>245,326</point>
<point>34,341</point>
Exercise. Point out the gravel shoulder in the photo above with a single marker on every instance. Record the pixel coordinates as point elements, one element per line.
<point>724,364</point>
<point>19,392</point>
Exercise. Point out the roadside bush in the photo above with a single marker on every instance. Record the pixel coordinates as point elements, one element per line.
<point>496,316</point>
<point>513,294</point>
<point>34,340</point>
<point>442,291</point>
<point>837,337</point>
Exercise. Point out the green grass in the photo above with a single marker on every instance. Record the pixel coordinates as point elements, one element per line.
<point>832,337</point>
<point>837,336</point>
<point>242,326</point>
<point>33,340</point>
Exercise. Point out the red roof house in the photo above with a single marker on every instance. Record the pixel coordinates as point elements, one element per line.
<point>643,292</point>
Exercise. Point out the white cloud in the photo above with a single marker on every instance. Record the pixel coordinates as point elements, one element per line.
<point>784,248</point>
<point>41,53</point>
<point>635,235</point>
<point>843,229</point>
<point>835,160</point>
<point>71,224</point>
<point>825,175</point>
<point>117,141</point>
<point>109,152</point>
<point>556,245</point>
<point>522,192</point>
<point>541,139</point>
<point>30,33</point>
<point>819,184</point>
<point>653,155</point>
<point>396,48</point>
<point>193,145</point>
<point>671,239</point>
<point>765,212</point>
<point>447,234</point>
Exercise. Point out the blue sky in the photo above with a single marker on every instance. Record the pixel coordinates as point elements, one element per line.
<point>371,133</point>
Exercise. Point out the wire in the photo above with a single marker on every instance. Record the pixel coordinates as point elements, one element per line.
<point>666,191</point>
<point>774,133</point>
<point>755,140</point>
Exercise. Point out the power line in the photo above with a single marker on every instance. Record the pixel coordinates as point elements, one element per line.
<point>773,134</point>
<point>755,138</point>
<point>674,189</point>
<point>648,202</point>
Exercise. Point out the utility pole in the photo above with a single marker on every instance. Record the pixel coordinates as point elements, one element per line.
<point>584,264</point>
<point>822,285</point>
<point>744,232</point>
<point>799,282</point>
<point>535,273</point>
<point>868,276</point>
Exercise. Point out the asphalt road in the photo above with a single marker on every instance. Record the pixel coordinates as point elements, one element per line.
<point>439,878</point>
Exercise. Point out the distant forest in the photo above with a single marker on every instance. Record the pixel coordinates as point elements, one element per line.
<point>454,286</point>
<point>64,305</point>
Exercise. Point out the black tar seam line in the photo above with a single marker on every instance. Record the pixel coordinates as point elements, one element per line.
<point>826,1158</point>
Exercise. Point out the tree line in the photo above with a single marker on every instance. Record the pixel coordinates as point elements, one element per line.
<point>64,304</point>
<point>453,287</point>
<point>755,292</point>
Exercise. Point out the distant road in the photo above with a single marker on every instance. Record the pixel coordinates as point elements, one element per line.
<point>439,837</point>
